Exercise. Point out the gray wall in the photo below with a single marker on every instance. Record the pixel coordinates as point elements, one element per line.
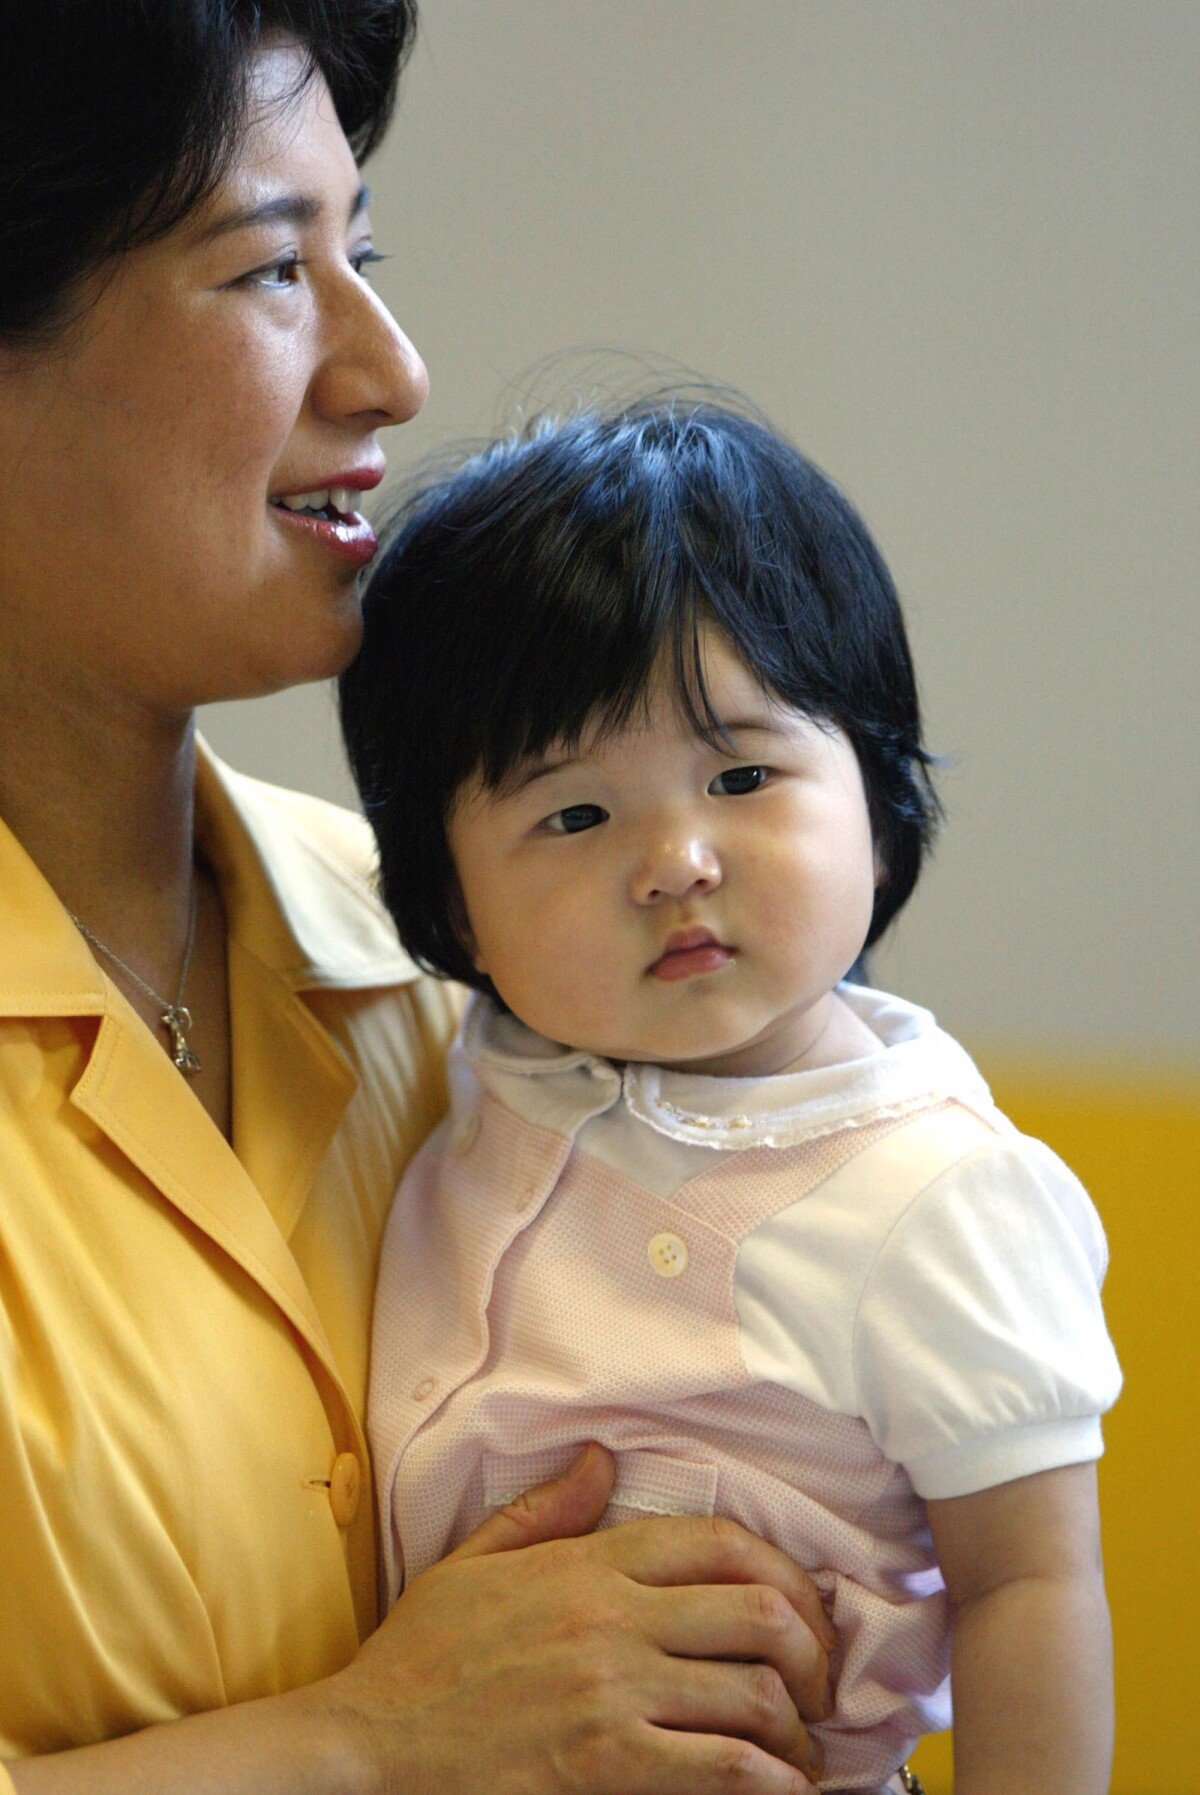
<point>951,249</point>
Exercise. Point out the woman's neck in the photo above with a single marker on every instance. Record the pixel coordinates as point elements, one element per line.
<point>101,798</point>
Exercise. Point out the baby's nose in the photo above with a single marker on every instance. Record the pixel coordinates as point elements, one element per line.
<point>675,869</point>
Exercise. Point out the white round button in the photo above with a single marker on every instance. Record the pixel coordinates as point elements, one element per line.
<point>465,1134</point>
<point>423,1389</point>
<point>668,1255</point>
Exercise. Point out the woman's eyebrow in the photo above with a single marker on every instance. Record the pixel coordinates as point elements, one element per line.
<point>285,208</point>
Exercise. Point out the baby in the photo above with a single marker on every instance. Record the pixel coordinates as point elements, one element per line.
<point>636,726</point>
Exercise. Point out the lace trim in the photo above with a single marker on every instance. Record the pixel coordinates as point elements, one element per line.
<point>738,1132</point>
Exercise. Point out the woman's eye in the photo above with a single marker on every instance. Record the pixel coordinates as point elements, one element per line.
<point>574,819</point>
<point>283,273</point>
<point>737,780</point>
<point>362,259</point>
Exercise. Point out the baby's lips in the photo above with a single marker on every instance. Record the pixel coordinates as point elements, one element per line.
<point>682,941</point>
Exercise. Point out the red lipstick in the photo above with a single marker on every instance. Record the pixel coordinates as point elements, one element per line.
<point>359,479</point>
<point>344,534</point>
<point>351,538</point>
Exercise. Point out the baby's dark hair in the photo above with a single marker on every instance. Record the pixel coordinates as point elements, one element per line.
<point>533,591</point>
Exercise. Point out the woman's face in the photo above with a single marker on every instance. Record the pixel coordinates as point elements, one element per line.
<point>239,359</point>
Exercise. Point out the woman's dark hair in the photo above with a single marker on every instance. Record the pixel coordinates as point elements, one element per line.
<point>533,592</point>
<point>121,116</point>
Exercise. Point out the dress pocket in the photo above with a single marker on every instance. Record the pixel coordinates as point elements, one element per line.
<point>648,1482</point>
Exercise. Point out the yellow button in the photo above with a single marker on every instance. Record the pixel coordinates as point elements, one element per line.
<point>345,1488</point>
<point>668,1255</point>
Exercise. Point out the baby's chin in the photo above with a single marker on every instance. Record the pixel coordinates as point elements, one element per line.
<point>732,1052</point>
<point>680,1044</point>
<point>710,1057</point>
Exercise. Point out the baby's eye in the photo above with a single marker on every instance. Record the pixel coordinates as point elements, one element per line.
<point>736,780</point>
<point>574,819</point>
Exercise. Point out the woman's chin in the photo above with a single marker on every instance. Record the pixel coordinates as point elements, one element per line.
<point>335,655</point>
<point>322,646</point>
<point>296,656</point>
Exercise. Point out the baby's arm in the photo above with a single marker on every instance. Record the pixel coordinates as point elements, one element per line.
<point>1032,1663</point>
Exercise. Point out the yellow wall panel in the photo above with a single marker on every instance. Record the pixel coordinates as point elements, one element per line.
<point>1135,1142</point>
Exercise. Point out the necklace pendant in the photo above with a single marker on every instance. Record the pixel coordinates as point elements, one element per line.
<point>176,1019</point>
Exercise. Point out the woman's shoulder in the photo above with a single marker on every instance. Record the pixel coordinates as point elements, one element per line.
<point>278,816</point>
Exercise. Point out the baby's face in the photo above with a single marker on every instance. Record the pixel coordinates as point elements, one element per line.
<point>650,897</point>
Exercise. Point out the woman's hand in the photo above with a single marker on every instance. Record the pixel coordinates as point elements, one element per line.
<point>666,1656</point>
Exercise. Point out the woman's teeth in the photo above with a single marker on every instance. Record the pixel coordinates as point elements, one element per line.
<point>342,499</point>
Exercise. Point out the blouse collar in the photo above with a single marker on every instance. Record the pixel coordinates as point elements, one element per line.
<point>917,1064</point>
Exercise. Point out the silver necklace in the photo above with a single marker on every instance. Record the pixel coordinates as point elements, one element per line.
<point>176,1018</point>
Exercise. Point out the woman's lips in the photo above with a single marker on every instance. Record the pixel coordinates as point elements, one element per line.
<point>351,538</point>
<point>689,952</point>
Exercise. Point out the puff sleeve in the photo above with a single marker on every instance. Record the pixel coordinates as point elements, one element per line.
<point>980,1352</point>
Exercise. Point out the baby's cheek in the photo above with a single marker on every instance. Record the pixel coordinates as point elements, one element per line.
<point>587,996</point>
<point>560,980</point>
<point>785,909</point>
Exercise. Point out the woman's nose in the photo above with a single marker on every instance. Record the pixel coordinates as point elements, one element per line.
<point>675,869</point>
<point>371,372</point>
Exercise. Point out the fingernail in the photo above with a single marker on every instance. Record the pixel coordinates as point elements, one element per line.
<point>578,1460</point>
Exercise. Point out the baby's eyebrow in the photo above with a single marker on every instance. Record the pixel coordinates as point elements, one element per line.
<point>756,723</point>
<point>526,772</point>
<point>763,725</point>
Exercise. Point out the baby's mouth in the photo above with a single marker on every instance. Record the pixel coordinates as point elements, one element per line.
<point>688,952</point>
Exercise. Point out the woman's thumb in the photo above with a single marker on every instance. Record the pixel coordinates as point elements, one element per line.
<point>568,1504</point>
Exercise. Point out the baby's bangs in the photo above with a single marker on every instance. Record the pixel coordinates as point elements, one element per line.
<point>586,661</point>
<point>676,661</point>
<point>605,602</point>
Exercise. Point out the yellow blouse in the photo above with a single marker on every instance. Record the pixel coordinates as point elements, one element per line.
<point>187,1518</point>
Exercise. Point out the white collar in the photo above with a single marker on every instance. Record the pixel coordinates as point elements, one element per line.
<point>563,1087</point>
